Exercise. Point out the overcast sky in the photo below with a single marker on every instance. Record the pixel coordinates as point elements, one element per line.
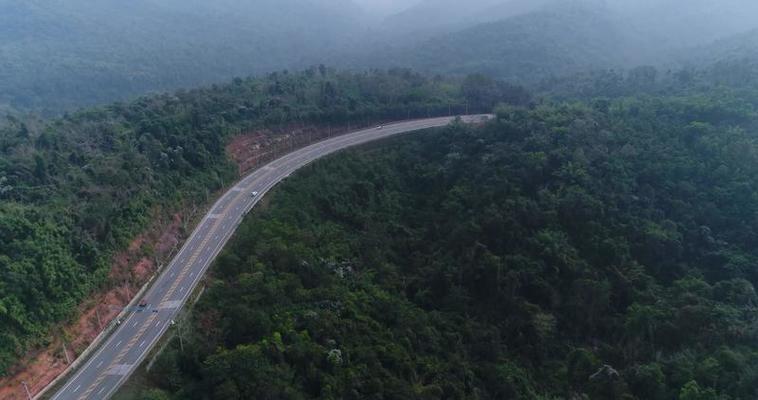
<point>386,7</point>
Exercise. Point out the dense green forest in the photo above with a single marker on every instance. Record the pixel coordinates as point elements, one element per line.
<point>74,190</point>
<point>736,76</point>
<point>596,250</point>
<point>598,240</point>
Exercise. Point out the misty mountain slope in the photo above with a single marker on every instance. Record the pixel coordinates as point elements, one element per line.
<point>57,55</point>
<point>431,17</point>
<point>684,23</point>
<point>732,48</point>
<point>732,61</point>
<point>529,40</point>
<point>436,14</point>
<point>522,48</point>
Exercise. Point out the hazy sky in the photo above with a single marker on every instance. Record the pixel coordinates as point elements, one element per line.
<point>386,7</point>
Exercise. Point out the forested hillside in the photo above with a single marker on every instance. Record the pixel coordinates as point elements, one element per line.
<point>729,50</point>
<point>59,55</point>
<point>74,190</point>
<point>597,240</point>
<point>599,250</point>
<point>527,41</point>
<point>730,74</point>
<point>524,48</point>
<point>430,17</point>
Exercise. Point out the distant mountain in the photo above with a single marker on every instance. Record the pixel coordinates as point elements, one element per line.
<point>62,54</point>
<point>731,61</point>
<point>733,48</point>
<point>526,41</point>
<point>431,17</point>
<point>521,48</point>
<point>684,23</point>
<point>58,55</point>
<point>435,15</point>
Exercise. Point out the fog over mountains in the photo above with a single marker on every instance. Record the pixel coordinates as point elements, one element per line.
<point>62,54</point>
<point>525,39</point>
<point>57,55</point>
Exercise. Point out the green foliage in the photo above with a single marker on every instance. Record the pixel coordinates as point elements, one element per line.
<point>565,251</point>
<point>155,395</point>
<point>78,188</point>
<point>732,81</point>
<point>692,391</point>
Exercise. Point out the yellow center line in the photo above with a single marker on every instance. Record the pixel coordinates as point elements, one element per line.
<point>169,293</point>
<point>118,359</point>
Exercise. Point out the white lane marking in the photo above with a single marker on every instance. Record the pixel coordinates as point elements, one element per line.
<point>142,344</point>
<point>101,390</point>
<point>157,324</point>
<point>134,325</point>
<point>181,289</point>
<point>192,274</point>
<point>99,364</point>
<point>172,274</point>
<point>119,343</point>
<point>171,304</point>
<point>119,369</point>
<point>77,388</point>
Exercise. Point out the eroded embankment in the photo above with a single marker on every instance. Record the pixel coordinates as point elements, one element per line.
<point>133,267</point>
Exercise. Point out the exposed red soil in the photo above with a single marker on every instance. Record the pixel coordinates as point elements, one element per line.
<point>129,271</point>
<point>142,269</point>
<point>132,267</point>
<point>253,148</point>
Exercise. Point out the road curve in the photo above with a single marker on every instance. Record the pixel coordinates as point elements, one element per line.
<point>109,367</point>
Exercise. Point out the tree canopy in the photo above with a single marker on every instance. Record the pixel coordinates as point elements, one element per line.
<point>76,189</point>
<point>601,250</point>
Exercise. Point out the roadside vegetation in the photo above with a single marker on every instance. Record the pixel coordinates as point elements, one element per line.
<point>599,250</point>
<point>76,189</point>
<point>597,240</point>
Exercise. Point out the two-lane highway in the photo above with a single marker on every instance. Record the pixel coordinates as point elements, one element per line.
<point>130,343</point>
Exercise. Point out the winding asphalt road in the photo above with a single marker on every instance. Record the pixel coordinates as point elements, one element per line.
<point>124,350</point>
